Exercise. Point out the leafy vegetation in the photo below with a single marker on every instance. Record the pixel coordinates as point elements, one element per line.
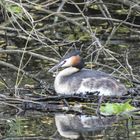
<point>116,108</point>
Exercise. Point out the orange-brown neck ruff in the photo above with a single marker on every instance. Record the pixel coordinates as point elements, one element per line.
<point>77,62</point>
<point>75,59</point>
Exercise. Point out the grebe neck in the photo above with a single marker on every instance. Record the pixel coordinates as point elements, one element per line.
<point>68,71</point>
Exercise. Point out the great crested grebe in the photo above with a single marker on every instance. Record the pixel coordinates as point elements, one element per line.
<point>74,79</point>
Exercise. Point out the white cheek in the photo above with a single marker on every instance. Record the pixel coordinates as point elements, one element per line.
<point>67,63</point>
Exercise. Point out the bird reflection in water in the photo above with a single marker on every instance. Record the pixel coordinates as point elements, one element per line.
<point>73,126</point>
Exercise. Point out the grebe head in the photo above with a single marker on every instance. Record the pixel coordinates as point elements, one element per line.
<point>72,59</point>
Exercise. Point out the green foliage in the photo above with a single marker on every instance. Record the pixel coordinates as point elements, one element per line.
<point>30,126</point>
<point>2,85</point>
<point>123,30</point>
<point>116,108</point>
<point>93,6</point>
<point>122,11</point>
<point>16,127</point>
<point>14,9</point>
<point>123,46</point>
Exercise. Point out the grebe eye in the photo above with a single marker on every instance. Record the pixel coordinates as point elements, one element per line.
<point>64,61</point>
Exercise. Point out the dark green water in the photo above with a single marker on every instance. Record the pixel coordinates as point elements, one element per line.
<point>43,126</point>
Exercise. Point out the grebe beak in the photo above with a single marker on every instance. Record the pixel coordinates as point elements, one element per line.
<point>56,66</point>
